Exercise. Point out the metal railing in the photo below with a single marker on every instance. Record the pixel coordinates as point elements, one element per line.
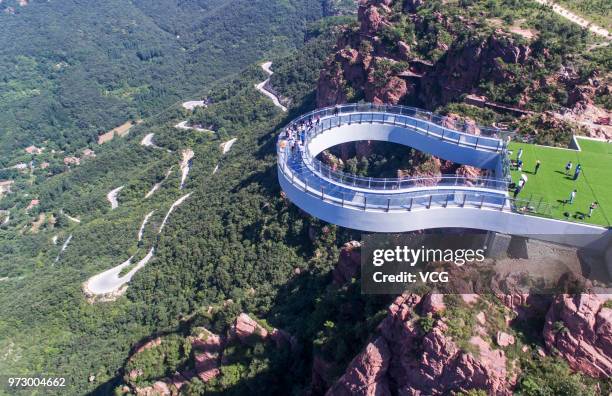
<point>421,121</point>
<point>418,120</point>
<point>423,199</point>
<point>371,183</point>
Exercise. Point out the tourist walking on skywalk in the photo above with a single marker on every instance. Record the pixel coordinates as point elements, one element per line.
<point>568,168</point>
<point>577,171</point>
<point>537,167</point>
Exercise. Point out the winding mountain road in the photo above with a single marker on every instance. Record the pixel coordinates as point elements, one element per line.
<point>112,197</point>
<point>142,227</point>
<point>109,281</point>
<point>227,146</point>
<point>261,87</point>
<point>64,247</point>
<point>174,205</point>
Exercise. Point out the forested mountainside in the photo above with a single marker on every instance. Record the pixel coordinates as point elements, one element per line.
<point>244,293</point>
<point>72,71</point>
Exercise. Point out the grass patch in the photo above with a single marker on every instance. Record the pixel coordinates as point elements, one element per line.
<point>554,187</point>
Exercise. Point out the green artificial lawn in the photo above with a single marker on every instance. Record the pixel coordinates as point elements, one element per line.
<point>552,186</point>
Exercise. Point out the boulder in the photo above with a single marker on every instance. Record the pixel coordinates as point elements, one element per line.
<point>504,339</point>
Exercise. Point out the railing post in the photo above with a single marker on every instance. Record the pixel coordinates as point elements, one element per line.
<point>343,199</point>
<point>429,204</point>
<point>482,202</point>
<point>322,194</point>
<point>388,204</point>
<point>446,203</point>
<point>410,207</point>
<point>464,198</point>
<point>503,204</point>
<point>442,136</point>
<point>305,185</point>
<point>365,202</point>
<point>477,140</point>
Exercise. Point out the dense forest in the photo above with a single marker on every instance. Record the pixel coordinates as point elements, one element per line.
<point>236,245</point>
<point>63,84</point>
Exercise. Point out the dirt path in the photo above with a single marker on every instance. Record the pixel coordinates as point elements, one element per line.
<point>112,197</point>
<point>570,16</point>
<point>261,87</point>
<point>174,206</point>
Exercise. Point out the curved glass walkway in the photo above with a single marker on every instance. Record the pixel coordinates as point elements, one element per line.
<point>300,166</point>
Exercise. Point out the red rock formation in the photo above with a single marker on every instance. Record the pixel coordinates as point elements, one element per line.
<point>207,351</point>
<point>466,65</point>
<point>349,263</point>
<point>402,360</point>
<point>580,328</point>
<point>244,328</point>
<point>367,373</point>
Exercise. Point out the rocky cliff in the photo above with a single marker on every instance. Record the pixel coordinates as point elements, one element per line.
<point>431,53</point>
<point>404,359</point>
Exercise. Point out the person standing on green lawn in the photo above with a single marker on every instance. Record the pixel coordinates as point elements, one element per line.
<point>568,167</point>
<point>577,172</point>
<point>592,208</point>
<point>519,155</point>
<point>572,197</point>
<point>537,167</point>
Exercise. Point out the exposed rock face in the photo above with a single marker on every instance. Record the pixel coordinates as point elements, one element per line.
<point>349,263</point>
<point>580,328</point>
<point>369,65</point>
<point>367,373</point>
<point>207,351</point>
<point>402,360</point>
<point>465,65</point>
<point>364,66</point>
<point>207,356</point>
<point>244,328</point>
